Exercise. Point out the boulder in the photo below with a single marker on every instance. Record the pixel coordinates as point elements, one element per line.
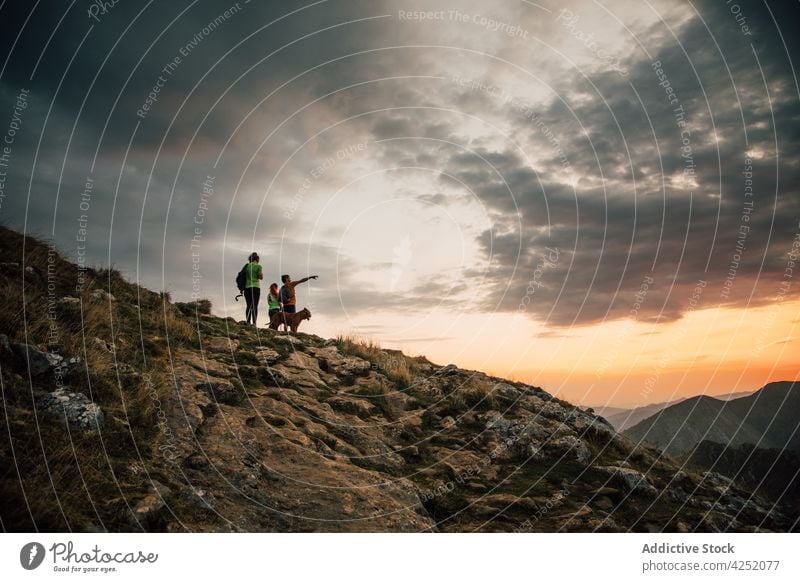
<point>554,411</point>
<point>507,391</point>
<point>631,480</point>
<point>39,362</point>
<point>145,512</point>
<point>333,361</point>
<point>447,423</point>
<point>220,344</point>
<point>497,423</point>
<point>74,408</point>
<point>102,295</point>
<point>104,345</point>
<point>588,424</point>
<point>355,406</point>
<point>285,337</point>
<point>566,446</point>
<point>267,356</point>
<point>449,370</point>
<point>221,391</point>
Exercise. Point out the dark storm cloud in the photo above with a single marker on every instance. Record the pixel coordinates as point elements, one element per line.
<point>611,236</point>
<point>640,248</point>
<point>143,216</point>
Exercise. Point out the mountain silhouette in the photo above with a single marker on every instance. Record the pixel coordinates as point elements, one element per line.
<point>768,418</point>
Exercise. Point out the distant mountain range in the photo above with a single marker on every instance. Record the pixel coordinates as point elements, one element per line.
<point>624,418</point>
<point>767,418</point>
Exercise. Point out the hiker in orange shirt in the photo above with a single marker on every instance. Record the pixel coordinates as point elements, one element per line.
<point>288,298</point>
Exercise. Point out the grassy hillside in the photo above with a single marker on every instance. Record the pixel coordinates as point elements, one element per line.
<point>53,480</point>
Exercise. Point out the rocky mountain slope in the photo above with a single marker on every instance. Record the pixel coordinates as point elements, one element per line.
<point>773,473</point>
<point>767,418</point>
<point>123,411</point>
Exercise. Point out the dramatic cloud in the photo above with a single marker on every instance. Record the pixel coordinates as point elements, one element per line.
<point>519,157</point>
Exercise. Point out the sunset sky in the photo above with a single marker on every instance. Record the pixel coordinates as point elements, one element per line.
<point>600,198</point>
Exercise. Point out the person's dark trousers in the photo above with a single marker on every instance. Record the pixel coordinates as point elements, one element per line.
<point>251,297</point>
<point>289,308</point>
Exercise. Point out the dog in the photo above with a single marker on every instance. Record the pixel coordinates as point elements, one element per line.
<point>289,320</point>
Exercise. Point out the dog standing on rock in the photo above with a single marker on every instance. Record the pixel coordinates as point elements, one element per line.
<point>289,320</point>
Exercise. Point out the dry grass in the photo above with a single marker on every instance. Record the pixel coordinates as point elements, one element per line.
<point>77,480</point>
<point>394,365</point>
<point>376,394</point>
<point>471,396</point>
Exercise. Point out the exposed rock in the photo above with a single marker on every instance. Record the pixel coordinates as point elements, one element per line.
<point>124,369</point>
<point>333,361</point>
<point>355,406</point>
<point>507,391</point>
<point>184,410</point>
<point>631,479</point>
<point>447,422</point>
<point>41,362</point>
<point>569,444</point>
<point>585,423</point>
<point>554,411</point>
<point>70,301</point>
<point>222,391</point>
<point>720,482</point>
<point>196,461</point>
<point>102,295</point>
<point>74,408</point>
<point>449,370</point>
<point>199,497</point>
<point>285,337</point>
<point>208,365</point>
<point>38,361</point>
<point>496,422</point>
<point>220,344</point>
<point>427,387</point>
<point>267,356</point>
<point>104,345</point>
<point>147,509</point>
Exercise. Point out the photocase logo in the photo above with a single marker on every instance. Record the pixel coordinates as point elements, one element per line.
<point>32,555</point>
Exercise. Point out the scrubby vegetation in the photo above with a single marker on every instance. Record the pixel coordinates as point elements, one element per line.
<point>392,364</point>
<point>124,335</point>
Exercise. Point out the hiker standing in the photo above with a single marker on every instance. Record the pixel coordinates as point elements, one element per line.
<point>288,298</point>
<point>252,288</point>
<point>273,300</point>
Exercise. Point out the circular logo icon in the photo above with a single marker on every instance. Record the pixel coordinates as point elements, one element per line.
<point>31,555</point>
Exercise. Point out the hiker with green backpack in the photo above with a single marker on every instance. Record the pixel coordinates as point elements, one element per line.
<point>248,282</point>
